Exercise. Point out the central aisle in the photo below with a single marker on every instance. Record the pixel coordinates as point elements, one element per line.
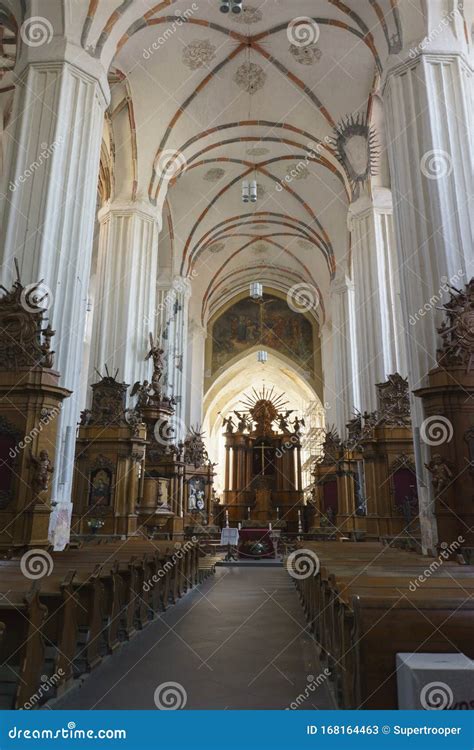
<point>236,642</point>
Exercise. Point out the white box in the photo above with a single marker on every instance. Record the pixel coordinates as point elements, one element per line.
<point>435,681</point>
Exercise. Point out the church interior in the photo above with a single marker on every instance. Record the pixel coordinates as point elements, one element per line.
<point>236,354</point>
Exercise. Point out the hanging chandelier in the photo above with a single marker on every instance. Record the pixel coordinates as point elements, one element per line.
<point>234,5</point>
<point>256,290</point>
<point>249,191</point>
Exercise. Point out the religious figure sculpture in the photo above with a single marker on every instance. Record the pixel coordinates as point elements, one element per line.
<point>441,473</point>
<point>42,469</point>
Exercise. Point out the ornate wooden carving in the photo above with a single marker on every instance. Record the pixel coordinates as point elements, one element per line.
<point>23,340</point>
<point>457,332</point>
<point>393,403</point>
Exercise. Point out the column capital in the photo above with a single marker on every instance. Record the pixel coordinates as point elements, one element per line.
<point>423,57</point>
<point>341,283</point>
<point>143,209</point>
<point>379,202</point>
<point>60,52</point>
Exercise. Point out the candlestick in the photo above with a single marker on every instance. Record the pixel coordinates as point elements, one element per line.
<point>278,513</point>
<point>270,526</point>
<point>239,526</point>
<point>248,512</point>
<point>300,526</point>
<point>227,519</point>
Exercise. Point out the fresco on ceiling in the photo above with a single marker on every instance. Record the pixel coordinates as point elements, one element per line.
<point>273,324</point>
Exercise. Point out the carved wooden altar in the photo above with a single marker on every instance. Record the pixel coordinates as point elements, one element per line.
<point>263,463</point>
<point>31,400</point>
<point>386,444</point>
<point>448,428</point>
<point>110,453</point>
<point>177,483</point>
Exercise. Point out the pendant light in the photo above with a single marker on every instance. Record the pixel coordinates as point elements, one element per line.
<point>256,290</point>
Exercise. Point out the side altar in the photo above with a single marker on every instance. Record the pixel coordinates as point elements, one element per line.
<point>263,463</point>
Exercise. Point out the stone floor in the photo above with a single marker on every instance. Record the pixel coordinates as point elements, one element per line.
<point>236,642</point>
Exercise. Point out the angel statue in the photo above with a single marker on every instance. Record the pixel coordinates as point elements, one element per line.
<point>228,423</point>
<point>142,390</point>
<point>243,421</point>
<point>297,425</point>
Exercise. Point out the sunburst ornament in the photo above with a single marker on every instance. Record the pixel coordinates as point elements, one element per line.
<point>356,148</point>
<point>264,406</point>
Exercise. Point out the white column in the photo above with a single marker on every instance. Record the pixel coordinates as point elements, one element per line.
<point>429,121</point>
<point>124,307</point>
<point>428,102</point>
<point>195,374</point>
<point>346,378</point>
<point>172,323</point>
<point>378,323</point>
<point>49,207</point>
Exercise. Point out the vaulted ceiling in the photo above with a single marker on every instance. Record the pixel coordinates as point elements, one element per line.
<point>201,100</point>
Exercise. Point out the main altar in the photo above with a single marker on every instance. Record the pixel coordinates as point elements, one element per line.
<point>263,463</point>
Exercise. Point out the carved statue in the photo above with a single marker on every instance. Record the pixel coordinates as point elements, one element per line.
<point>108,402</point>
<point>441,473</point>
<point>297,425</point>
<point>142,390</point>
<point>42,469</point>
<point>194,449</point>
<point>393,401</point>
<point>243,421</point>
<point>24,342</point>
<point>457,332</point>
<point>156,354</point>
<point>331,447</point>
<point>283,420</point>
<point>228,424</point>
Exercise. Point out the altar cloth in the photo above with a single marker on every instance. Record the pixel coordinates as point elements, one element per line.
<point>256,544</point>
